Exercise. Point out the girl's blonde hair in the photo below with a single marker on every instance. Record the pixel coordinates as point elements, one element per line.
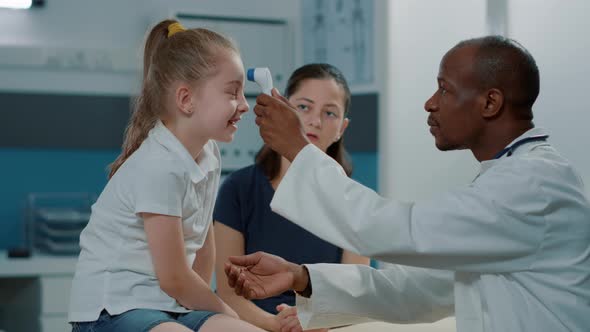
<point>170,54</point>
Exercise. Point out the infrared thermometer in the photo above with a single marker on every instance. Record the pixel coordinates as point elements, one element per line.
<point>262,77</point>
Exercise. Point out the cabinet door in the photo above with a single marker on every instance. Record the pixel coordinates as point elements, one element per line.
<point>55,323</point>
<point>262,43</point>
<point>55,294</point>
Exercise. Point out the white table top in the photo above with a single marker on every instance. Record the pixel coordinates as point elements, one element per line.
<point>36,265</point>
<point>445,325</point>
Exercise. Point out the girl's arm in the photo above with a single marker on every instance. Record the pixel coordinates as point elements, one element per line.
<point>231,243</point>
<point>351,258</point>
<point>205,258</point>
<point>177,279</point>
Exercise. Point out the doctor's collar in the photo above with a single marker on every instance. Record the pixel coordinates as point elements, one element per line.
<point>532,135</point>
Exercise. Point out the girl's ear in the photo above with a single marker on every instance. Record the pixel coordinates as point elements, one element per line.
<point>183,98</point>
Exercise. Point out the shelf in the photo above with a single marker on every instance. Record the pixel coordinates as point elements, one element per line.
<point>36,265</point>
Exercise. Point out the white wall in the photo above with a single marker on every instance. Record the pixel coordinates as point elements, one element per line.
<point>420,33</point>
<point>109,24</point>
<point>416,35</point>
<point>557,33</point>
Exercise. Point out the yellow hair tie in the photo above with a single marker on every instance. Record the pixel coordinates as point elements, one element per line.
<point>174,28</point>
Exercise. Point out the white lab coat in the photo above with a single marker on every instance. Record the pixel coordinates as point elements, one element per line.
<point>516,242</point>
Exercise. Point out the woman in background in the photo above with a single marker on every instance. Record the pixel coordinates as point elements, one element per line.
<point>244,222</point>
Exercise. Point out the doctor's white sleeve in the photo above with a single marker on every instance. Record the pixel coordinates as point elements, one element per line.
<point>481,228</point>
<point>344,294</point>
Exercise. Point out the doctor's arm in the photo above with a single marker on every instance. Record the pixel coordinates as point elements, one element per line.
<point>471,229</point>
<point>347,294</point>
<point>344,294</point>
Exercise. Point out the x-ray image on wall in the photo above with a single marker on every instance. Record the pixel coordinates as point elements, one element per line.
<point>340,32</point>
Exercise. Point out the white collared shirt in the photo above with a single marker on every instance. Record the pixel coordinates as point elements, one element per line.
<point>114,270</point>
<point>515,245</point>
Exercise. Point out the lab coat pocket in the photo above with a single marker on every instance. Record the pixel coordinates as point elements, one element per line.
<point>468,304</point>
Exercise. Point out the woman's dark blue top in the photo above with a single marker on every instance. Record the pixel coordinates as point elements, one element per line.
<point>243,203</point>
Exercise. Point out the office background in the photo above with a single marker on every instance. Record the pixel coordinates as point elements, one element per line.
<point>69,68</point>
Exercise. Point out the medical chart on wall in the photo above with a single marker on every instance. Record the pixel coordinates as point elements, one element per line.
<point>340,32</point>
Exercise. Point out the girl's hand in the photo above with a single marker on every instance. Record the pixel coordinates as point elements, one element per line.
<point>287,318</point>
<point>289,322</point>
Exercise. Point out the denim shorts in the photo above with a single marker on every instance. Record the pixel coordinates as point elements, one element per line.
<point>142,320</point>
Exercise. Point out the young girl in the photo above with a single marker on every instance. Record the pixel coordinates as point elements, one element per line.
<point>148,251</point>
<point>244,221</point>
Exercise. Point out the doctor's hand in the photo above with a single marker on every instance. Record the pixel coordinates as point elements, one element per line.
<point>280,126</point>
<point>261,275</point>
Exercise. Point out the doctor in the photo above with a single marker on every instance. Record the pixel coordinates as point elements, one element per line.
<point>509,252</point>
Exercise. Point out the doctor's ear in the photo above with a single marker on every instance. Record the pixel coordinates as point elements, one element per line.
<point>493,102</point>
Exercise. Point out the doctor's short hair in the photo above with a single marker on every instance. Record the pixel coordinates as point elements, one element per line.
<point>271,160</point>
<point>505,64</point>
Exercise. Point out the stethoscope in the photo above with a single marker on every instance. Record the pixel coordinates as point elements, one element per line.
<point>509,150</point>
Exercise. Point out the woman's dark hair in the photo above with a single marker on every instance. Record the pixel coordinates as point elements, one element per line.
<point>270,160</point>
